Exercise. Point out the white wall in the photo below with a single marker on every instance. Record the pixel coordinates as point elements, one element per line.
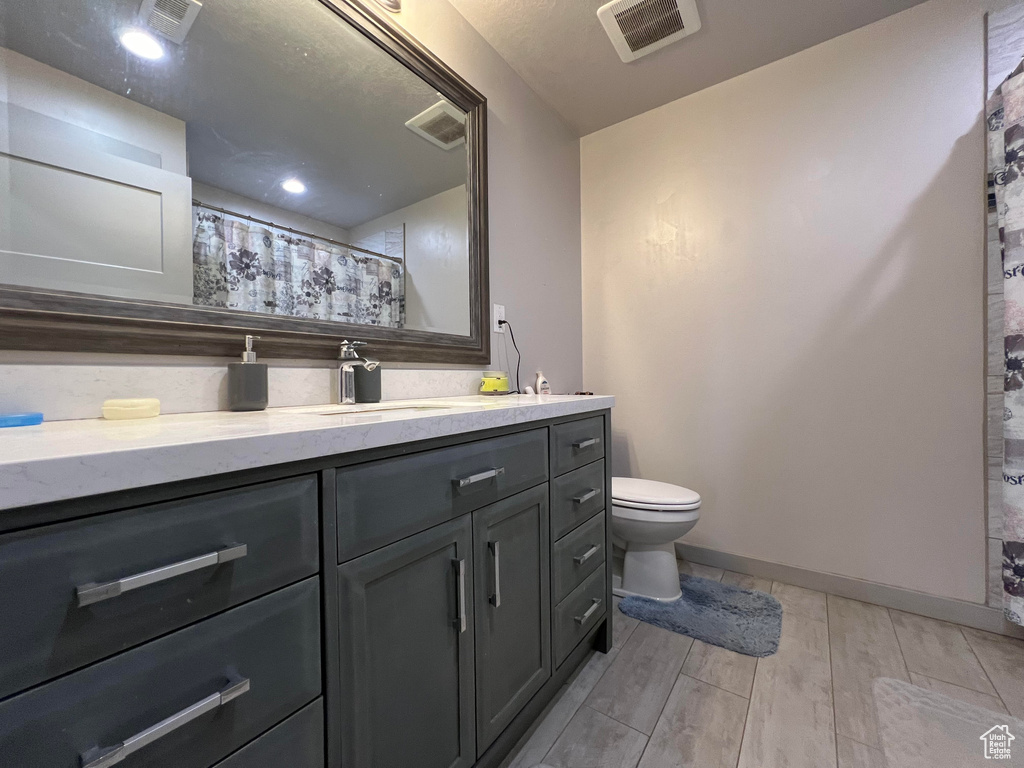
<point>48,91</point>
<point>783,285</point>
<point>436,260</point>
<point>534,258</point>
<point>221,198</point>
<point>93,191</point>
<point>534,183</point>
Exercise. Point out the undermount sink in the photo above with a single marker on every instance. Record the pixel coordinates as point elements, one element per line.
<point>342,410</point>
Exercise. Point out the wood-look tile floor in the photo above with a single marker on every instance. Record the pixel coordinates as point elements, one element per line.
<point>662,700</point>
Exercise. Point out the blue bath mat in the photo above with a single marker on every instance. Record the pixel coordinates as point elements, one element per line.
<point>743,620</point>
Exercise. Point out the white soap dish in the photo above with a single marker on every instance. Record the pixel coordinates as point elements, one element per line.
<point>133,408</point>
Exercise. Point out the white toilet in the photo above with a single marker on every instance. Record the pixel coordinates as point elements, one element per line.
<point>647,518</point>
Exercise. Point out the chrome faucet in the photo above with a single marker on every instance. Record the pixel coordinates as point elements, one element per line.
<point>350,360</point>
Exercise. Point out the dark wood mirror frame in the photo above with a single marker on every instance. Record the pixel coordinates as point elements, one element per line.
<point>39,319</point>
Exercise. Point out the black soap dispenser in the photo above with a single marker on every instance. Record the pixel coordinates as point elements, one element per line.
<point>247,381</point>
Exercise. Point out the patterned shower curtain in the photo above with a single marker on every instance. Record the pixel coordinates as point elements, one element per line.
<point>240,264</point>
<point>1005,115</point>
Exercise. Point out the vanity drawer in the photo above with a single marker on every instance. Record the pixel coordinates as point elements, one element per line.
<point>576,556</point>
<point>576,497</point>
<point>298,742</point>
<point>578,614</point>
<point>273,643</point>
<point>42,569</point>
<point>576,443</point>
<point>383,501</point>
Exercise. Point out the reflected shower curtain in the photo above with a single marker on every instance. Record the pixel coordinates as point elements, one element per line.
<point>244,265</point>
<point>1005,115</point>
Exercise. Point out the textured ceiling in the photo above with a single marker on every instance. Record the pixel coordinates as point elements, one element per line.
<point>268,89</point>
<point>563,53</point>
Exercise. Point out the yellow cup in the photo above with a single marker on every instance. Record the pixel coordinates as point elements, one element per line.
<point>494,383</point>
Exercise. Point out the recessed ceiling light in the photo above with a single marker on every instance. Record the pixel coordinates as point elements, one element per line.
<point>294,186</point>
<point>142,44</point>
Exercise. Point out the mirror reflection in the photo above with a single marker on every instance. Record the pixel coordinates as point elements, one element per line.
<point>256,156</point>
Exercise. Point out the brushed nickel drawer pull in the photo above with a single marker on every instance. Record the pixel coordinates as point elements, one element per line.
<point>586,496</point>
<point>581,559</point>
<point>460,577</point>
<point>103,757</point>
<point>581,444</point>
<point>95,593</point>
<point>496,597</point>
<point>479,477</point>
<point>581,620</point>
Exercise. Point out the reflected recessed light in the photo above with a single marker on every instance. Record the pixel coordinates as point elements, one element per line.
<point>142,44</point>
<point>390,5</point>
<point>294,186</point>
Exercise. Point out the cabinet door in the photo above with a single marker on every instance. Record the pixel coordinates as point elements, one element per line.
<point>513,608</point>
<point>407,652</point>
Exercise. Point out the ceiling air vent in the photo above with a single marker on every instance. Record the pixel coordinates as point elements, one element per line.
<point>639,27</point>
<point>442,124</point>
<point>170,18</point>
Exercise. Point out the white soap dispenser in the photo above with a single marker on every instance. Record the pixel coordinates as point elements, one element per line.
<point>541,385</point>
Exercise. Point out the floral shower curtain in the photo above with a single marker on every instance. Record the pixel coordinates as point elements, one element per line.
<point>245,265</point>
<point>1005,114</point>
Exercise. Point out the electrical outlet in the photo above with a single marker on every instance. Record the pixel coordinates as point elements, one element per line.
<point>496,315</point>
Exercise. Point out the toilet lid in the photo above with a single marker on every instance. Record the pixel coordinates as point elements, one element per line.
<point>650,494</point>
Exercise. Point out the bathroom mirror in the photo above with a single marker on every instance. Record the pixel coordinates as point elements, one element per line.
<point>175,174</point>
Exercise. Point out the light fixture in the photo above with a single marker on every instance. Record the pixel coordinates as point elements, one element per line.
<point>294,186</point>
<point>142,44</point>
<point>390,5</point>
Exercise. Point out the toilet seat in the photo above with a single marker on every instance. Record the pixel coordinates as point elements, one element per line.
<point>654,515</point>
<point>637,494</point>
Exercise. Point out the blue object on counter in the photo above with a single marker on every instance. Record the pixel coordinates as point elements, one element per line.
<point>20,419</point>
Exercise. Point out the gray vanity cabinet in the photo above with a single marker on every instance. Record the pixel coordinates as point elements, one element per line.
<point>415,606</point>
<point>576,443</point>
<point>298,742</point>
<point>406,649</point>
<point>381,501</point>
<point>513,608</point>
<point>185,700</point>
<point>89,588</point>
<point>450,639</point>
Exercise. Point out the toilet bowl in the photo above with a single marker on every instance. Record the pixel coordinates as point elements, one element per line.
<point>647,518</point>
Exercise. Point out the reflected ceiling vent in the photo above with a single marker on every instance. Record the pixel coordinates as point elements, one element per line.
<point>640,27</point>
<point>443,124</point>
<point>171,19</point>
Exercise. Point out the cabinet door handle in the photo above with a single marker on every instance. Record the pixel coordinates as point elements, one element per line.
<point>479,477</point>
<point>94,593</point>
<point>579,445</point>
<point>581,559</point>
<point>102,757</point>
<point>460,580</point>
<point>584,498</point>
<point>590,612</point>
<point>495,553</point>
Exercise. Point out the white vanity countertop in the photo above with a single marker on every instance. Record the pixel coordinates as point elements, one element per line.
<point>70,459</point>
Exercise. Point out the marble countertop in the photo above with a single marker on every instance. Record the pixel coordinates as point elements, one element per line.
<point>70,459</point>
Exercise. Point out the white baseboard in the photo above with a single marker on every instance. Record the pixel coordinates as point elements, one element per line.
<point>944,608</point>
